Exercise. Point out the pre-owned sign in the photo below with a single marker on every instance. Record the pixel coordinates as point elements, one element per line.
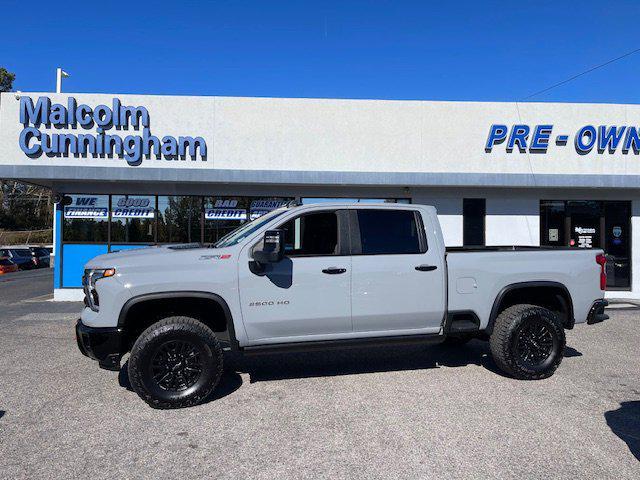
<point>536,139</point>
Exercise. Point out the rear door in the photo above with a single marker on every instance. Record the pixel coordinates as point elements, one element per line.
<point>306,296</point>
<point>398,280</point>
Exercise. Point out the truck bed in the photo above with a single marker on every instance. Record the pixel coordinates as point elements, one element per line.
<point>477,275</point>
<point>505,248</point>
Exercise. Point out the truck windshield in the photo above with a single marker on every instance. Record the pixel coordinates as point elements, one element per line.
<point>243,231</point>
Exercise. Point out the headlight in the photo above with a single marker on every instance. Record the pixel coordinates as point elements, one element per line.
<point>89,279</point>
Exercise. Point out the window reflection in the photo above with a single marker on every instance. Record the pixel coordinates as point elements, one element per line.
<point>147,219</point>
<point>309,200</point>
<point>224,214</point>
<point>179,219</point>
<point>86,219</point>
<point>133,218</point>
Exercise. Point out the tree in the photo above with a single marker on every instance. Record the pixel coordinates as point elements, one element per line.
<point>6,80</point>
<point>22,207</point>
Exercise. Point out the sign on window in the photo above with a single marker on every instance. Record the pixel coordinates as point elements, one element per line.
<point>86,207</point>
<point>132,207</point>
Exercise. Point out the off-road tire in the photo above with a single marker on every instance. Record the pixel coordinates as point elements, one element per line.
<point>154,341</point>
<point>510,325</point>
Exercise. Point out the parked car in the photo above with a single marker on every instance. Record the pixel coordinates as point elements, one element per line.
<point>321,276</point>
<point>42,256</point>
<point>21,256</point>
<point>7,266</point>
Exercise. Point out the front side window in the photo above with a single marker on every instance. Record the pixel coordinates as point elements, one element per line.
<point>386,232</point>
<point>86,219</point>
<point>313,234</point>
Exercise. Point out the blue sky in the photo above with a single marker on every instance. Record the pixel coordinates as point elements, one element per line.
<point>467,50</point>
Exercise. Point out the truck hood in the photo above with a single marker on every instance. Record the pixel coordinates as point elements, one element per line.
<point>156,255</point>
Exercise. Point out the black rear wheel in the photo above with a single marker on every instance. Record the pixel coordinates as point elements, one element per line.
<point>535,343</point>
<point>176,362</point>
<point>528,342</point>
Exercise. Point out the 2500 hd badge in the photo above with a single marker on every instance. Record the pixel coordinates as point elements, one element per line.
<point>268,303</point>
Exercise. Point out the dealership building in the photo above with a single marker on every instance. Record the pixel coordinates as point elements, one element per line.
<point>133,171</point>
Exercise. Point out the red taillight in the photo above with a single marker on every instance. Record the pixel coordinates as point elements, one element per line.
<point>602,261</point>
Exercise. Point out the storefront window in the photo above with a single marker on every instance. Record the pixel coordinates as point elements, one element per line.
<point>473,219</point>
<point>261,206</point>
<point>224,214</point>
<point>552,227</point>
<point>179,219</point>
<point>592,224</point>
<point>86,219</point>
<point>133,219</point>
<point>309,200</point>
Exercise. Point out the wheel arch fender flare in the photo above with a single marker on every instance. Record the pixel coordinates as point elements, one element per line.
<point>145,297</point>
<point>565,297</point>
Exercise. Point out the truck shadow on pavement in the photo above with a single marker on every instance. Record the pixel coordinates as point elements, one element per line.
<point>625,423</point>
<point>352,361</point>
<point>364,360</point>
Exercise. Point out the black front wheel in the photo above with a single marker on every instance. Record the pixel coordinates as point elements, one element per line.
<point>527,342</point>
<point>176,362</point>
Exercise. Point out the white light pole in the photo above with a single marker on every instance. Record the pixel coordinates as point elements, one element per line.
<point>60,74</point>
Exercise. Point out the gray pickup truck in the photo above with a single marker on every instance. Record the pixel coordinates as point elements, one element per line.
<point>326,276</point>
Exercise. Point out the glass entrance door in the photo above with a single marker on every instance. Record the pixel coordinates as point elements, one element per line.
<point>592,224</point>
<point>584,223</point>
<point>617,243</point>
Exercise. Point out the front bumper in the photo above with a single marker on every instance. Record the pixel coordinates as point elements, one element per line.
<point>106,345</point>
<point>596,314</point>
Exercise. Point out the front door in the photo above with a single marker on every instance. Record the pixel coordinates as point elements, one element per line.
<point>306,296</point>
<point>586,224</point>
<point>592,224</point>
<point>398,280</point>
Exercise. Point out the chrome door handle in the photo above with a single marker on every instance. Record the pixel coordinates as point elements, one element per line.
<point>334,270</point>
<point>426,268</point>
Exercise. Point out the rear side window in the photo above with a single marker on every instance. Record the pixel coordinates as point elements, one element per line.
<point>386,232</point>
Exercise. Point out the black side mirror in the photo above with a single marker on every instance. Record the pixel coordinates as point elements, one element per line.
<point>272,249</point>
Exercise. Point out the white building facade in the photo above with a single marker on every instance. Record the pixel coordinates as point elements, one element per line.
<point>134,171</point>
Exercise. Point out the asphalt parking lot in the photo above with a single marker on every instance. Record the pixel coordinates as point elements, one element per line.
<point>409,412</point>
